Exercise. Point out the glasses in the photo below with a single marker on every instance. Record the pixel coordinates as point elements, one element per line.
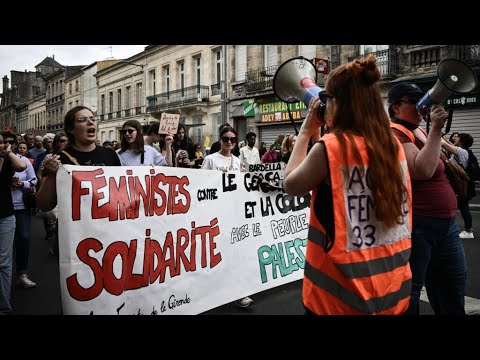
<point>11,142</point>
<point>84,119</point>
<point>63,140</point>
<point>130,131</point>
<point>323,96</point>
<point>408,101</point>
<point>226,139</point>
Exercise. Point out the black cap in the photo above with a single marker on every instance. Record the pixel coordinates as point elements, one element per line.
<point>402,89</point>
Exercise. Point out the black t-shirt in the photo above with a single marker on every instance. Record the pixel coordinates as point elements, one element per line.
<point>6,174</point>
<point>188,147</point>
<point>101,156</point>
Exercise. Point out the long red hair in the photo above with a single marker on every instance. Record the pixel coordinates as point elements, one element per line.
<point>360,111</point>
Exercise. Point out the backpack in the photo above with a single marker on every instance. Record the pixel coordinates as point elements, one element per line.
<point>473,169</point>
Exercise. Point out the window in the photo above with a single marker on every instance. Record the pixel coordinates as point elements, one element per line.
<point>334,56</point>
<point>119,99</point>
<point>307,51</point>
<point>240,62</point>
<point>110,102</point>
<point>181,77</point>
<point>367,49</point>
<point>166,84</point>
<point>271,55</point>
<point>218,66</point>
<point>102,104</point>
<point>76,86</point>
<point>197,130</point>
<point>128,101</point>
<point>70,88</point>
<point>138,98</point>
<point>153,88</point>
<point>198,72</point>
<point>216,122</point>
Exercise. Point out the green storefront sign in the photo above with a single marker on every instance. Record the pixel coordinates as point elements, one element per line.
<point>472,99</point>
<point>249,108</point>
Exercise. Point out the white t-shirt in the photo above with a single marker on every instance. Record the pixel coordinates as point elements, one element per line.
<point>151,157</point>
<point>249,156</point>
<point>216,161</point>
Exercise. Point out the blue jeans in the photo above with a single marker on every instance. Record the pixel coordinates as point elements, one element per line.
<point>7,234</point>
<point>466,215</point>
<point>438,261</point>
<point>22,240</point>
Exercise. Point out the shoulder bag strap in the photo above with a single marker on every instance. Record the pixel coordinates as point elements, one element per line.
<point>72,159</point>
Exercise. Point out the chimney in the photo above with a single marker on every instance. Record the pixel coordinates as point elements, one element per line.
<point>5,83</point>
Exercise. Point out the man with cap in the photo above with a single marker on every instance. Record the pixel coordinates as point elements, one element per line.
<point>437,259</point>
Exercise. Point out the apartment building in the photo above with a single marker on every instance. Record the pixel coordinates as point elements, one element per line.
<point>37,118</point>
<point>182,79</point>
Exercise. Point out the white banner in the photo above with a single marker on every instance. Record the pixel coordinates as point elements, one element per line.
<point>161,240</point>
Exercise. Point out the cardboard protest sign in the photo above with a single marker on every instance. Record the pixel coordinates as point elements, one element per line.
<point>169,123</point>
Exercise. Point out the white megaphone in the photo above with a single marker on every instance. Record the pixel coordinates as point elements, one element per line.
<point>454,76</point>
<point>295,80</point>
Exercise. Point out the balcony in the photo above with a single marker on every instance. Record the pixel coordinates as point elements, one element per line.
<point>259,80</point>
<point>192,95</point>
<point>217,88</point>
<point>425,57</point>
<point>386,61</point>
<point>470,54</point>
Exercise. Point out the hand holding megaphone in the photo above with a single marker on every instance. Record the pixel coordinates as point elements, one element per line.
<point>454,77</point>
<point>295,80</point>
<point>438,115</point>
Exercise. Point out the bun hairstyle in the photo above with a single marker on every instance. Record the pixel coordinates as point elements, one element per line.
<point>366,70</point>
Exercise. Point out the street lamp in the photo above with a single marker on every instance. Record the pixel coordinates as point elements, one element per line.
<point>130,63</point>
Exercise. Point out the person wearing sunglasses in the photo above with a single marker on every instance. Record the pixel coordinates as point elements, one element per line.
<point>438,258</point>
<point>225,161</point>
<point>133,151</point>
<point>80,125</point>
<point>9,163</point>
<point>358,242</point>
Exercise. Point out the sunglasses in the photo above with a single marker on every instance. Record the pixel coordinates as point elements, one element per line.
<point>130,131</point>
<point>323,96</point>
<point>63,140</point>
<point>11,142</point>
<point>226,139</point>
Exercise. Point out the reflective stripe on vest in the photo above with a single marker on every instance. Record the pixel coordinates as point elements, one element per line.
<point>363,268</point>
<point>370,306</point>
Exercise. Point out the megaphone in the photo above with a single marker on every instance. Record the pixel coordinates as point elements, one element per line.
<point>454,76</point>
<point>295,80</point>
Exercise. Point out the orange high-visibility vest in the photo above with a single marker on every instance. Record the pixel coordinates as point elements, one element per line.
<point>366,271</point>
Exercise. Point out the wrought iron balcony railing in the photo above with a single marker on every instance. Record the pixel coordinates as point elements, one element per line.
<point>386,60</point>
<point>468,53</point>
<point>185,96</point>
<point>425,57</point>
<point>259,80</point>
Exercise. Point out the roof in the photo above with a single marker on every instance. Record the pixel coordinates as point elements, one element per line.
<point>48,61</point>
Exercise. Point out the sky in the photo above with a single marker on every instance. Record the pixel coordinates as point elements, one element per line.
<point>25,57</point>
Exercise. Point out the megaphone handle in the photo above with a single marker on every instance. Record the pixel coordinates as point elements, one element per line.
<point>449,120</point>
<point>427,120</point>
<point>291,119</point>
